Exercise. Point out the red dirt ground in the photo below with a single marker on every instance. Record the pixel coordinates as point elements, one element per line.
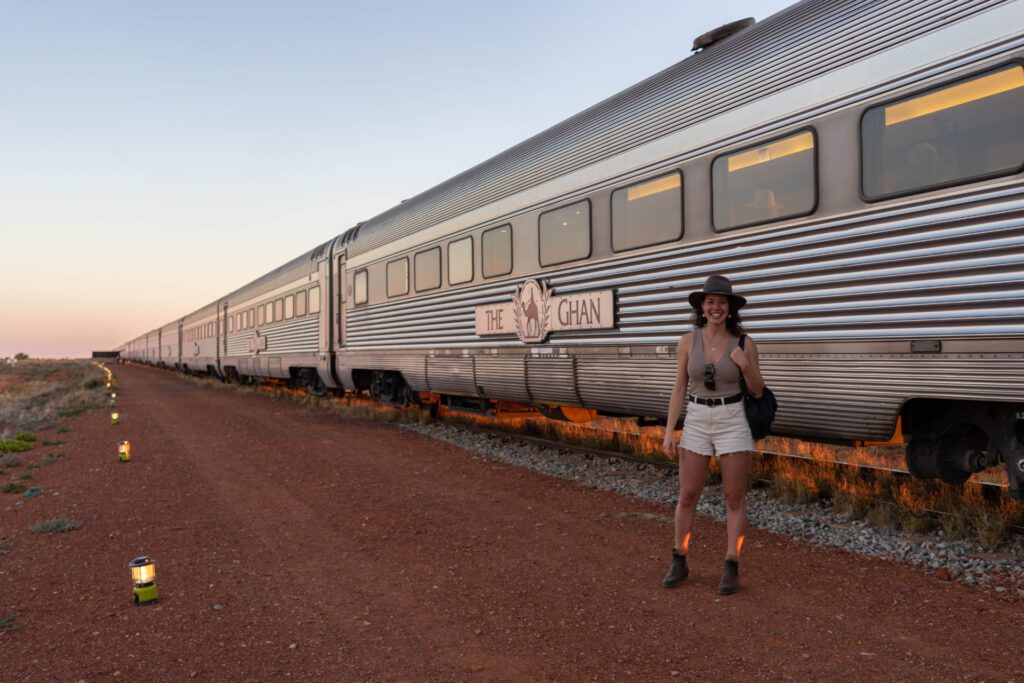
<point>301,544</point>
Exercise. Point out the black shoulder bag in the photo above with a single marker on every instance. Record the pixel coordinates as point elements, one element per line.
<point>760,411</point>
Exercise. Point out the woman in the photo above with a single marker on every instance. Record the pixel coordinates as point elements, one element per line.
<point>708,379</point>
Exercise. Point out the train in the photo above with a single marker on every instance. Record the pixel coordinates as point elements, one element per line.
<point>853,166</point>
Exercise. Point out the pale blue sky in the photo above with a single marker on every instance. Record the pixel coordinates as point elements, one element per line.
<point>158,155</point>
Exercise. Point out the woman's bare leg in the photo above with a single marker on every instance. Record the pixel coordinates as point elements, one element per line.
<point>735,467</point>
<point>693,470</point>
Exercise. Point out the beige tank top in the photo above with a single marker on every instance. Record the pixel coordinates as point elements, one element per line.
<point>727,373</point>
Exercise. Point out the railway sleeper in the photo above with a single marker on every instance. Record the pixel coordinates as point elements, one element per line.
<point>950,440</point>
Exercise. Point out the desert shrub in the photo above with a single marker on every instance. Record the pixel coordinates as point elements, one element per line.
<point>25,476</point>
<point>92,383</point>
<point>14,446</point>
<point>27,437</point>
<point>49,442</point>
<point>11,461</point>
<point>52,458</point>
<point>11,487</point>
<point>57,525</point>
<point>7,624</point>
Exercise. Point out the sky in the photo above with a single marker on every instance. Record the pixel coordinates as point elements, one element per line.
<point>156,156</point>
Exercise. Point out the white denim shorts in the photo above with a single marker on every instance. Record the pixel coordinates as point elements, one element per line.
<point>716,430</point>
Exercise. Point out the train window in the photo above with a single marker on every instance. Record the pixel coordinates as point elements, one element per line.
<point>239,321</point>
<point>565,234</point>
<point>261,316</point>
<point>314,300</point>
<point>398,277</point>
<point>231,323</point>
<point>646,213</point>
<point>300,303</point>
<point>496,251</point>
<point>209,330</point>
<point>959,133</point>
<point>279,310</point>
<point>766,183</point>
<point>269,312</point>
<point>427,269</point>
<point>361,295</point>
<point>289,307</point>
<point>252,317</point>
<point>460,261</point>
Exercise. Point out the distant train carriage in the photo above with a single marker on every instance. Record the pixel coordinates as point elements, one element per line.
<point>854,168</point>
<point>273,327</point>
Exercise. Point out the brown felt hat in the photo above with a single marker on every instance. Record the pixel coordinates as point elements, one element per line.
<point>716,284</point>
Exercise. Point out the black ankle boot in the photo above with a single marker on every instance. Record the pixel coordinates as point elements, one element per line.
<point>677,572</point>
<point>730,578</point>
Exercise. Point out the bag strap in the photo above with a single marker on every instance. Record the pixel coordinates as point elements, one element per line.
<point>743,382</point>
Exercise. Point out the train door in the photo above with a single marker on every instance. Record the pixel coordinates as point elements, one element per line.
<point>339,303</point>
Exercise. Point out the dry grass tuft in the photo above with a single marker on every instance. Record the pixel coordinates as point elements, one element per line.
<point>57,525</point>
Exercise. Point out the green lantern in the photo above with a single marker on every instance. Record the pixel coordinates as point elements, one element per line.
<point>143,580</point>
<point>124,451</point>
<point>115,417</point>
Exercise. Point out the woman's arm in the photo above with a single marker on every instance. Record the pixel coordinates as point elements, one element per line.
<point>747,360</point>
<point>675,404</point>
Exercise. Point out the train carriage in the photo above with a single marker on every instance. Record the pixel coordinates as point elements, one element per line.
<point>854,167</point>
<point>170,345</point>
<point>274,327</point>
<point>200,352</point>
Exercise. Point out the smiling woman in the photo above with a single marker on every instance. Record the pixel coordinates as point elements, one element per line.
<point>711,362</point>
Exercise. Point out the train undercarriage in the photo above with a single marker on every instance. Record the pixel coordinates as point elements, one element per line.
<point>951,440</point>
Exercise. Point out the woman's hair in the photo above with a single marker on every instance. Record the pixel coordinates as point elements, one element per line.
<point>733,322</point>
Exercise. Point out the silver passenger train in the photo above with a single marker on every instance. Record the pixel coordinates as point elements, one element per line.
<point>854,166</point>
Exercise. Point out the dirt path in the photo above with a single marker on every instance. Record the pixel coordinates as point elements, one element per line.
<point>300,544</point>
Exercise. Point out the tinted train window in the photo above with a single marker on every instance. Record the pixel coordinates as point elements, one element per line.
<point>279,310</point>
<point>460,261</point>
<point>361,295</point>
<point>300,304</point>
<point>269,312</point>
<point>428,269</point>
<point>565,234</point>
<point>231,323</point>
<point>955,134</point>
<point>648,213</point>
<point>496,251</point>
<point>289,307</point>
<point>314,300</point>
<point>772,181</point>
<point>398,277</point>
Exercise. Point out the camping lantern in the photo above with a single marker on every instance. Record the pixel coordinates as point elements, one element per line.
<point>113,398</point>
<point>124,451</point>
<point>108,385</point>
<point>115,417</point>
<point>143,580</point>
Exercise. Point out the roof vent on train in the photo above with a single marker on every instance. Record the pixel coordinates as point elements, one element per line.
<point>706,40</point>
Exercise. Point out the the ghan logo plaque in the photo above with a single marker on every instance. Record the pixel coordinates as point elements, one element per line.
<point>535,311</point>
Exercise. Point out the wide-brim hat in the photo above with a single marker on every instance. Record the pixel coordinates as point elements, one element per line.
<point>716,284</point>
